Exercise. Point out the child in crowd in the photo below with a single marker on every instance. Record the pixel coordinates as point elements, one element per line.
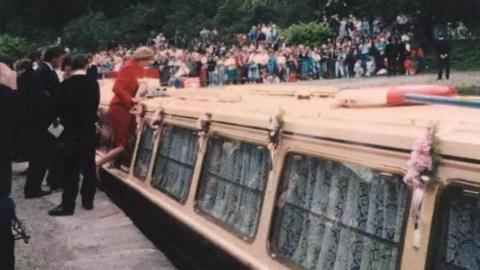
<point>409,67</point>
<point>358,69</point>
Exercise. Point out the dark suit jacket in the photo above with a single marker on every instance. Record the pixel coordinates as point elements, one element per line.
<point>9,111</point>
<point>391,51</point>
<point>29,92</point>
<point>45,98</point>
<point>93,72</point>
<point>78,102</point>
<point>10,104</point>
<point>442,47</point>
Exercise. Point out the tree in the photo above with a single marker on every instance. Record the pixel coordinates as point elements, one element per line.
<point>311,34</point>
<point>90,31</point>
<point>13,47</point>
<point>131,21</point>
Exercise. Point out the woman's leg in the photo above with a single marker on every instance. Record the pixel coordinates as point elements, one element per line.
<point>110,156</point>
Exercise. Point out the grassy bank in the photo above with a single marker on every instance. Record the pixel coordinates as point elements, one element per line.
<point>469,91</point>
<point>465,56</point>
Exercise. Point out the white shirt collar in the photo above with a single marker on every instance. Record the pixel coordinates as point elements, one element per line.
<point>49,65</point>
<point>79,72</point>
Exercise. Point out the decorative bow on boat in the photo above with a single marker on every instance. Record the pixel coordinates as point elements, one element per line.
<point>422,169</point>
<point>157,119</point>
<point>203,124</point>
<point>275,133</point>
<point>139,112</point>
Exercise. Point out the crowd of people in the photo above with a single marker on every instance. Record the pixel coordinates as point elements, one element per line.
<point>358,48</point>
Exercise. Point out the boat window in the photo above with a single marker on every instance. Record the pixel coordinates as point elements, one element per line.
<point>335,215</point>
<point>457,239</point>
<point>175,161</point>
<point>106,134</point>
<point>144,153</point>
<point>232,184</point>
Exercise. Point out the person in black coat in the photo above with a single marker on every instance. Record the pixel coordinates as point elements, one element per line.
<point>43,110</point>
<point>392,56</point>
<point>9,105</point>
<point>78,102</point>
<point>163,66</point>
<point>56,166</point>
<point>402,55</point>
<point>442,48</point>
<point>26,84</point>
<point>92,71</point>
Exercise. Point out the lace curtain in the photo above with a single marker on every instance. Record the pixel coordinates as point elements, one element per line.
<point>144,153</point>
<point>461,239</point>
<point>232,183</point>
<point>338,216</point>
<point>175,160</point>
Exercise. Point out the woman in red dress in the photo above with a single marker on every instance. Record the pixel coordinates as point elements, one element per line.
<point>125,89</point>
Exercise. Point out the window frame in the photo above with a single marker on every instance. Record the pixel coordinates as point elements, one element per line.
<point>156,137</point>
<point>156,151</point>
<point>229,228</point>
<point>439,212</point>
<point>281,176</point>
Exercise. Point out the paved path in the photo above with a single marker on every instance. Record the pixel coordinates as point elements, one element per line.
<point>103,239</point>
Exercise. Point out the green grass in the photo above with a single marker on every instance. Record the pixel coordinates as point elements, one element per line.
<point>465,56</point>
<point>469,91</point>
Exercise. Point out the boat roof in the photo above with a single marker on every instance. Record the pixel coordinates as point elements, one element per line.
<point>254,105</point>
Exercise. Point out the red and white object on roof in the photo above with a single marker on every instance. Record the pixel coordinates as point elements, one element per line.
<point>389,96</point>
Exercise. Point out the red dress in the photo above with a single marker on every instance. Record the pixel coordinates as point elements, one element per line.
<point>124,89</point>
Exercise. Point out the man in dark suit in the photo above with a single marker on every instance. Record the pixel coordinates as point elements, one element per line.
<point>43,110</point>
<point>392,56</point>
<point>442,48</point>
<point>26,83</point>
<point>92,70</point>
<point>77,108</point>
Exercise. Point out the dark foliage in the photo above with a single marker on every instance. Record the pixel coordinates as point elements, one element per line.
<point>90,24</point>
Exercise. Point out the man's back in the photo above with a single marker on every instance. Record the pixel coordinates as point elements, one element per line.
<point>48,85</point>
<point>78,100</point>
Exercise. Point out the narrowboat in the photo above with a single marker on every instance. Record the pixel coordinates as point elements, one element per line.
<point>281,177</point>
